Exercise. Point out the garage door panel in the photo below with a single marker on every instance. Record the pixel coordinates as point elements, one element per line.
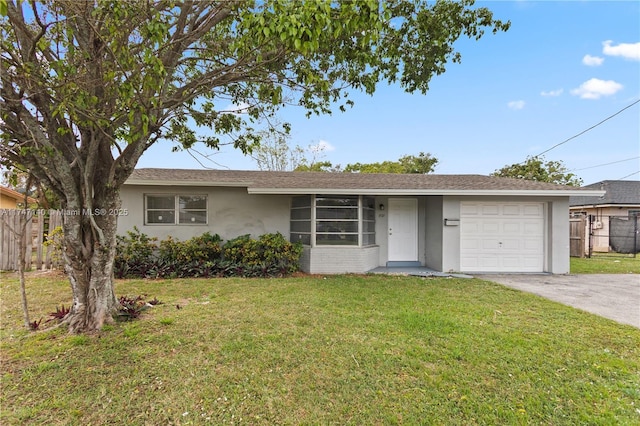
<point>490,227</point>
<point>488,262</point>
<point>470,227</point>
<point>512,228</point>
<point>532,228</point>
<point>509,244</point>
<point>532,210</point>
<point>511,262</point>
<point>511,210</point>
<point>490,244</point>
<point>469,210</point>
<point>532,244</point>
<point>502,237</point>
<point>470,244</point>
<point>531,262</point>
<point>489,209</point>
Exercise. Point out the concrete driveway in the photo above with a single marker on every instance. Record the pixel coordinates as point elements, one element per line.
<point>616,297</point>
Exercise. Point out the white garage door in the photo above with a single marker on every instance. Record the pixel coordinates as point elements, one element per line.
<point>501,237</point>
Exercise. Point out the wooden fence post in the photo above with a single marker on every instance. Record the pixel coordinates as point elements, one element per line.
<point>11,226</point>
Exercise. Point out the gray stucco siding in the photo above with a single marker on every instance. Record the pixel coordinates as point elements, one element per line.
<point>231,212</point>
<point>339,260</point>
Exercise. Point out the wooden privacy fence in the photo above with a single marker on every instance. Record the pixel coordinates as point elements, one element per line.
<point>35,225</point>
<point>577,238</point>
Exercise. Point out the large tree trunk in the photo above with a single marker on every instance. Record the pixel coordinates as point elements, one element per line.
<point>89,251</point>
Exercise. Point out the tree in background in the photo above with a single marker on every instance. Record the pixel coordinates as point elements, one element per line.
<point>319,166</point>
<point>420,164</point>
<point>535,168</point>
<point>274,153</point>
<point>88,85</point>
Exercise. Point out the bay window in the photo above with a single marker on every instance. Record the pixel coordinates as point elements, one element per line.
<point>323,220</point>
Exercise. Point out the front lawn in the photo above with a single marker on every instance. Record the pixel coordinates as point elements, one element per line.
<point>606,263</point>
<point>320,350</point>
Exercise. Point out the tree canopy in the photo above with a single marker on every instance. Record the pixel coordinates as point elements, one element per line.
<point>420,164</point>
<point>88,85</point>
<point>536,168</point>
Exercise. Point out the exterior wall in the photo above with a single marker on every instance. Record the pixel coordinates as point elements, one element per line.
<point>434,232</point>
<point>382,230</point>
<point>339,260</point>
<point>231,212</point>
<point>422,230</point>
<point>450,235</point>
<point>7,202</point>
<point>558,249</point>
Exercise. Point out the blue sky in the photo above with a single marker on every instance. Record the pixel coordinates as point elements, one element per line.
<point>561,68</point>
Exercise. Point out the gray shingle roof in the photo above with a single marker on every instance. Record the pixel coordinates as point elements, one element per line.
<point>297,182</point>
<point>618,192</point>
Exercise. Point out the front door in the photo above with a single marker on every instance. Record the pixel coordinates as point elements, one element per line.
<point>403,229</point>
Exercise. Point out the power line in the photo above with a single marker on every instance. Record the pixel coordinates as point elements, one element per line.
<point>624,177</point>
<point>606,164</point>
<point>590,128</point>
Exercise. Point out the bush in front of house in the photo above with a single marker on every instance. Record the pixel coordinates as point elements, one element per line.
<point>135,254</point>
<point>269,255</point>
<point>205,247</point>
<point>140,256</point>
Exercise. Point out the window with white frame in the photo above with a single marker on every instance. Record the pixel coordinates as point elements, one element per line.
<point>301,219</point>
<point>323,220</point>
<point>172,209</point>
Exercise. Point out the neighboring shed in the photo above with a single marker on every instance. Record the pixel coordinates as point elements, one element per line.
<point>356,222</point>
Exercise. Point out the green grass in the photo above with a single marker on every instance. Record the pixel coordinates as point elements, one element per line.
<point>606,263</point>
<point>320,350</point>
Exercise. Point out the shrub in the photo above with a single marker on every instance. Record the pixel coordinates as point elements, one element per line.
<point>204,256</point>
<point>277,252</point>
<point>54,241</point>
<point>203,248</point>
<point>270,255</point>
<point>135,254</point>
<point>241,250</point>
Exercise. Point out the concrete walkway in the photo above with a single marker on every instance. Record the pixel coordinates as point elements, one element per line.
<point>616,297</point>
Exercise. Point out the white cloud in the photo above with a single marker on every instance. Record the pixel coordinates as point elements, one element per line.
<point>322,146</point>
<point>516,105</point>
<point>626,50</point>
<point>596,88</point>
<point>557,92</point>
<point>592,61</point>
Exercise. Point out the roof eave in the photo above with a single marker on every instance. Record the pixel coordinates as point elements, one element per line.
<point>605,205</point>
<point>453,192</point>
<point>154,182</point>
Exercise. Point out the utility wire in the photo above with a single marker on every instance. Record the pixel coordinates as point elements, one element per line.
<point>606,164</point>
<point>590,128</point>
<point>624,177</point>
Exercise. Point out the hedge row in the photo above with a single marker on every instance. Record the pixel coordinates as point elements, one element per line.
<point>141,256</point>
